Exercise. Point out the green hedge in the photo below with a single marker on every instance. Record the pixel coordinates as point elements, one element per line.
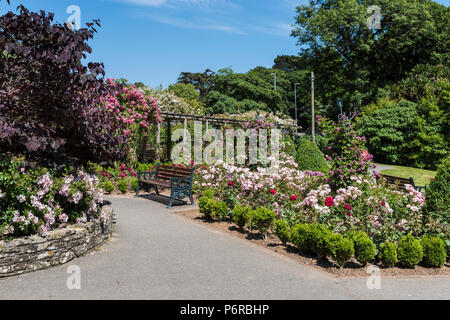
<point>309,157</point>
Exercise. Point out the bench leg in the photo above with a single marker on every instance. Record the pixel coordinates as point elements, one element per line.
<point>191,198</point>
<point>156,189</point>
<point>170,203</point>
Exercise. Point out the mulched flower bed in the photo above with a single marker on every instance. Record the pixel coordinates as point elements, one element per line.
<point>351,269</point>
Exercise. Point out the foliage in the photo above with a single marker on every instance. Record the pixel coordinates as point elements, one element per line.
<point>50,103</point>
<point>408,133</point>
<point>241,215</point>
<point>317,242</point>
<point>388,254</point>
<point>134,184</point>
<point>122,186</point>
<point>346,152</point>
<point>170,102</point>
<point>364,247</point>
<point>136,111</point>
<point>309,157</point>
<point>340,249</point>
<point>37,200</point>
<point>203,82</point>
<point>186,91</point>
<point>262,219</point>
<point>299,237</point>
<point>390,130</point>
<point>207,207</point>
<point>353,61</point>
<point>283,230</point>
<point>242,92</point>
<point>437,203</point>
<point>434,254</point>
<point>108,186</point>
<point>220,210</point>
<point>410,251</point>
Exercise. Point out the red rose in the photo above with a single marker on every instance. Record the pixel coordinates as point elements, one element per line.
<point>329,201</point>
<point>293,198</point>
<point>348,214</point>
<point>272,191</point>
<point>383,203</point>
<point>348,207</point>
<point>231,183</point>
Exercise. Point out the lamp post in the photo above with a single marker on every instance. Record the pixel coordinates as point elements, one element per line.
<point>275,81</point>
<point>312,108</point>
<point>296,118</point>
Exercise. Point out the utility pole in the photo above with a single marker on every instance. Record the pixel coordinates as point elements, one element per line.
<point>312,108</point>
<point>296,118</point>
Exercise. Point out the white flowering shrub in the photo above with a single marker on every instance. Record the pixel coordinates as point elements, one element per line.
<point>36,201</point>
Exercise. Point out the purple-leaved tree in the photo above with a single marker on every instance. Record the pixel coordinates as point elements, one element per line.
<point>50,103</point>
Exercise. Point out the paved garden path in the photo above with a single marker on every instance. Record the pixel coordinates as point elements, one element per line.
<point>155,254</point>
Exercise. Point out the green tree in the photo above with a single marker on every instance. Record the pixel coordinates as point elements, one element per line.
<point>353,61</point>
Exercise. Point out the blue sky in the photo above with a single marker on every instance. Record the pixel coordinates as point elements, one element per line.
<point>152,41</point>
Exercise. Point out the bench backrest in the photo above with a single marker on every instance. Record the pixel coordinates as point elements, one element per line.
<point>398,181</point>
<point>166,172</point>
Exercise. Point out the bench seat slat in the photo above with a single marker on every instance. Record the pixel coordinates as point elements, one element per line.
<point>157,182</point>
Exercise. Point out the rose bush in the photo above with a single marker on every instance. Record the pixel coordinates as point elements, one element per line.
<point>38,200</point>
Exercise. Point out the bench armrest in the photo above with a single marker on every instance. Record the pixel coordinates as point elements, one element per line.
<point>146,175</point>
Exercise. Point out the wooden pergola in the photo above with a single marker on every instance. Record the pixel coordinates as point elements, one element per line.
<point>168,117</point>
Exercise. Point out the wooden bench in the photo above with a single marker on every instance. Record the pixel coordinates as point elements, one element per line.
<point>400,182</point>
<point>178,179</point>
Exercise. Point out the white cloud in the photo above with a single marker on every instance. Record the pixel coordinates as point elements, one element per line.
<point>150,3</point>
<point>183,23</point>
<point>158,3</point>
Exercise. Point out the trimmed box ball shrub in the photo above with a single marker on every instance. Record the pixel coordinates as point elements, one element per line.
<point>410,251</point>
<point>108,186</point>
<point>364,247</point>
<point>309,157</point>
<point>388,254</point>
<point>134,184</point>
<point>241,215</point>
<point>300,237</point>
<point>262,220</point>
<point>283,231</point>
<point>207,206</point>
<point>220,211</point>
<point>433,251</point>
<point>340,249</point>
<point>122,185</point>
<point>317,239</point>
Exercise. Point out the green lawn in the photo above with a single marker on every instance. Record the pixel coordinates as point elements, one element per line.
<point>421,177</point>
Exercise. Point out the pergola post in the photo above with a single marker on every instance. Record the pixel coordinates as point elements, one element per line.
<point>158,134</point>
<point>169,139</point>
